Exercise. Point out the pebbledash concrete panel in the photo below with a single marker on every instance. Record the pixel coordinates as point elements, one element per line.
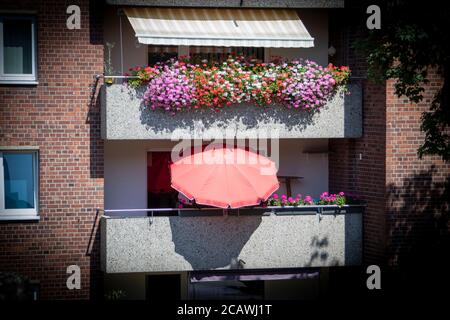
<point>183,243</point>
<point>124,117</point>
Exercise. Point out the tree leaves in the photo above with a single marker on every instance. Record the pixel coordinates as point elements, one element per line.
<point>414,39</point>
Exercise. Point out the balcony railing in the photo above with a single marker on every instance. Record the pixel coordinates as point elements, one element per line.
<point>125,117</point>
<point>208,239</point>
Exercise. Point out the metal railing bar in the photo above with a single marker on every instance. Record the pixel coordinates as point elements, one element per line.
<point>317,207</point>
<point>135,77</point>
<point>115,77</point>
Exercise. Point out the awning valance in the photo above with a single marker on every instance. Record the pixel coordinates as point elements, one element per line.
<point>219,27</point>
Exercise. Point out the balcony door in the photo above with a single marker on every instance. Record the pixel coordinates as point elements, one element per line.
<point>159,192</point>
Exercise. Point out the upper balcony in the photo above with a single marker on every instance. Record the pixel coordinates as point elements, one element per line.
<point>125,117</point>
<point>137,37</point>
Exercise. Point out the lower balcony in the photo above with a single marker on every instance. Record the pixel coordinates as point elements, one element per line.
<point>124,117</point>
<point>261,238</point>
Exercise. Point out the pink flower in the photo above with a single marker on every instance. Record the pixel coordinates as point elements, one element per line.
<point>275,196</point>
<point>180,85</point>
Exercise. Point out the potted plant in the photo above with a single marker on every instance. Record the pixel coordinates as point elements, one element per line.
<point>108,68</point>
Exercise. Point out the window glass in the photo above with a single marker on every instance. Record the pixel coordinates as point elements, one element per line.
<point>199,54</point>
<point>17,46</point>
<point>161,53</point>
<point>219,54</point>
<point>18,180</point>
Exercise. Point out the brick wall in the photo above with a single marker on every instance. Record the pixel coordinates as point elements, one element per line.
<point>357,166</point>
<point>406,222</point>
<point>417,208</point>
<point>60,116</point>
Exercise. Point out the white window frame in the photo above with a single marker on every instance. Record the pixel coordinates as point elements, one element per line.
<point>23,213</point>
<point>20,78</point>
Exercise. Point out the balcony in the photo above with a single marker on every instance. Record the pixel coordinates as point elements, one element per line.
<point>313,236</point>
<point>125,118</point>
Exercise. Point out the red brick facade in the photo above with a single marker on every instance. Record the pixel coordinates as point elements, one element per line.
<point>416,206</point>
<point>60,116</point>
<point>357,166</point>
<point>406,221</point>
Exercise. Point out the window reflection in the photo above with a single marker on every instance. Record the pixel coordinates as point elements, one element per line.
<point>19,180</point>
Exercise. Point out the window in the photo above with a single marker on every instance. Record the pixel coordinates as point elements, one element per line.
<point>200,53</point>
<point>18,184</point>
<point>161,53</point>
<point>17,49</point>
<point>220,54</point>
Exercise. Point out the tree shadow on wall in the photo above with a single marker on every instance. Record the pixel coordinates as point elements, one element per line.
<point>418,216</point>
<point>319,253</point>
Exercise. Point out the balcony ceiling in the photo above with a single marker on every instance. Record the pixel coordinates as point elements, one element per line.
<point>232,3</point>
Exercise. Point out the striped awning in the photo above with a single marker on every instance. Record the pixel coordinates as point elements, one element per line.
<point>219,27</point>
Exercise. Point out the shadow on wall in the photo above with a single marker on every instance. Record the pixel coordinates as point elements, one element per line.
<point>353,109</point>
<point>418,215</point>
<point>161,121</point>
<point>352,242</point>
<point>93,119</point>
<point>353,239</point>
<point>319,251</point>
<point>96,10</point>
<point>93,252</point>
<point>212,243</point>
